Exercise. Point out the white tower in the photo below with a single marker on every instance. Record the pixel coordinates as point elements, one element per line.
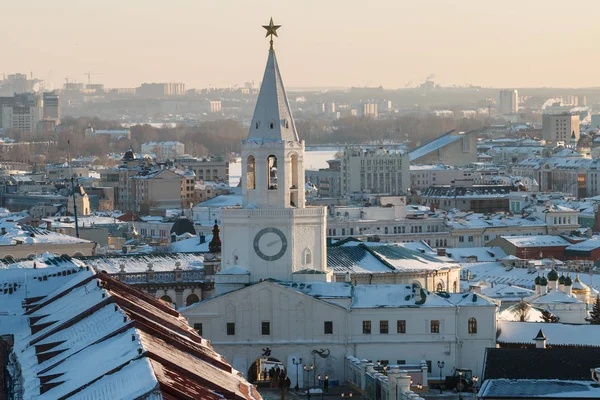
<point>274,235</point>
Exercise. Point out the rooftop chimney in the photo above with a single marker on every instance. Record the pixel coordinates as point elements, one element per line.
<point>540,340</point>
<point>202,238</point>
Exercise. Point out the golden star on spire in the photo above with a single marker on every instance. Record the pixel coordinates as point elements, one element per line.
<point>271,30</point>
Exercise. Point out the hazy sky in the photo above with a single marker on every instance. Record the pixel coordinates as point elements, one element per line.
<point>321,43</point>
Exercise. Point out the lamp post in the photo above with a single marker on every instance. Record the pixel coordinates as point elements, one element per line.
<point>347,396</point>
<point>297,364</point>
<point>419,387</point>
<point>475,380</point>
<point>459,385</point>
<point>308,370</point>
<point>322,390</point>
<point>441,367</point>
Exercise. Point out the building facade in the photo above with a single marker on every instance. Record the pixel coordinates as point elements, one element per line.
<point>508,101</point>
<point>560,127</point>
<point>378,171</point>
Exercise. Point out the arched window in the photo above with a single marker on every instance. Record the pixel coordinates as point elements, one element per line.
<point>287,124</point>
<point>271,125</point>
<point>472,325</point>
<point>167,299</point>
<point>257,124</point>
<point>250,173</point>
<point>191,299</point>
<point>445,242</point>
<point>272,172</point>
<point>439,287</point>
<point>294,197</point>
<point>455,287</point>
<point>307,257</point>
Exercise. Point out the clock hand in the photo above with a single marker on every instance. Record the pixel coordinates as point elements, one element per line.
<point>272,243</point>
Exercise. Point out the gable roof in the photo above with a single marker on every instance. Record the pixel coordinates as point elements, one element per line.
<point>434,145</point>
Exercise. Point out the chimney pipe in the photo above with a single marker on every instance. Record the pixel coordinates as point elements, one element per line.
<point>202,238</point>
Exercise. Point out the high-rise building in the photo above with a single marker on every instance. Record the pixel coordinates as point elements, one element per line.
<point>215,106</point>
<point>166,89</point>
<point>51,107</point>
<point>509,101</point>
<point>582,100</point>
<point>378,171</point>
<point>560,127</point>
<point>369,110</point>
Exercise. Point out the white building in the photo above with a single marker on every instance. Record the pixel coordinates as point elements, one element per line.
<point>274,291</point>
<point>21,118</point>
<point>375,171</point>
<point>508,101</point>
<point>164,150</point>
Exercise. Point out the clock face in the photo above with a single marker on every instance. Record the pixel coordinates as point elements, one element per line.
<point>270,244</point>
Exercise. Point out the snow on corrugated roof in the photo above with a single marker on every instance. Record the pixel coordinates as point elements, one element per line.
<point>434,145</point>
<point>481,254</point>
<point>556,296</point>
<point>536,241</point>
<point>586,245</point>
<point>224,200</point>
<point>321,289</point>
<point>139,262</point>
<point>392,296</point>
<point>538,388</point>
<point>191,245</point>
<point>557,334</point>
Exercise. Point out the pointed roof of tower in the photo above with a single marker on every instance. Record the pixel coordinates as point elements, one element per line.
<point>272,120</point>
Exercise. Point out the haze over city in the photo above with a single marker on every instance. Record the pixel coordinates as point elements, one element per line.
<point>324,44</point>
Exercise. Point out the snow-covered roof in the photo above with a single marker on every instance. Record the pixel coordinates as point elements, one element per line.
<point>436,144</point>
<point>538,389</point>
<point>586,245</point>
<point>556,297</point>
<point>512,313</point>
<point>480,254</point>
<point>479,221</point>
<point>26,234</point>
<point>138,346</point>
<point>536,241</point>
<point>556,334</point>
<point>191,245</point>
<point>139,262</point>
<point>224,200</point>
<point>506,292</point>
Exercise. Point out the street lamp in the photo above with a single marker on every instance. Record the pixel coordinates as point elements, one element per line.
<point>325,384</point>
<point>459,385</point>
<point>347,396</point>
<point>419,386</point>
<point>441,367</point>
<point>308,370</point>
<point>475,379</point>
<point>297,364</point>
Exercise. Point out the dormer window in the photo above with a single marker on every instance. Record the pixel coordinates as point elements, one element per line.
<point>257,124</point>
<point>287,124</point>
<point>271,125</point>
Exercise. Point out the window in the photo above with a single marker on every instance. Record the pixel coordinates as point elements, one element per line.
<point>198,328</point>
<point>471,239</point>
<point>328,328</point>
<point>486,238</point>
<point>435,326</point>
<point>271,125</point>
<point>383,327</point>
<point>272,172</point>
<point>428,366</point>
<point>265,328</point>
<point>461,239</point>
<point>307,257</point>
<point>401,326</point>
<point>472,325</point>
<point>367,327</point>
<point>250,175</point>
<point>400,362</point>
<point>439,287</point>
<point>231,328</point>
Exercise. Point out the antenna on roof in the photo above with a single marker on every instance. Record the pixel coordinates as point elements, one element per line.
<point>73,188</point>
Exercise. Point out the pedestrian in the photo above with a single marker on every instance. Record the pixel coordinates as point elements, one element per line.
<point>271,376</point>
<point>264,374</point>
<point>288,383</point>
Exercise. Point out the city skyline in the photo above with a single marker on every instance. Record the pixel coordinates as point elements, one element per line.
<point>390,44</point>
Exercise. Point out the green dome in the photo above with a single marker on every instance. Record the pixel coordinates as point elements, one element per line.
<point>568,281</point>
<point>561,280</point>
<point>543,281</point>
<point>537,280</point>
<point>553,275</point>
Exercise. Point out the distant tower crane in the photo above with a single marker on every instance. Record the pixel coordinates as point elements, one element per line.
<point>89,76</point>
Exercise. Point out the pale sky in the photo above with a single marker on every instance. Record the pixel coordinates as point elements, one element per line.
<point>322,43</point>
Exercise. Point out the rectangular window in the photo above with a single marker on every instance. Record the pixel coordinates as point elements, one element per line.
<point>428,366</point>
<point>383,327</point>
<point>401,326</point>
<point>461,239</point>
<point>230,328</point>
<point>367,327</point>
<point>265,328</point>
<point>328,328</point>
<point>435,326</point>
<point>471,239</point>
<point>198,328</point>
<point>486,238</point>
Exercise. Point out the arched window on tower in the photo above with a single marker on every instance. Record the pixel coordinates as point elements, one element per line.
<point>307,257</point>
<point>250,173</point>
<point>271,125</point>
<point>294,189</point>
<point>439,287</point>
<point>472,325</point>
<point>272,172</point>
